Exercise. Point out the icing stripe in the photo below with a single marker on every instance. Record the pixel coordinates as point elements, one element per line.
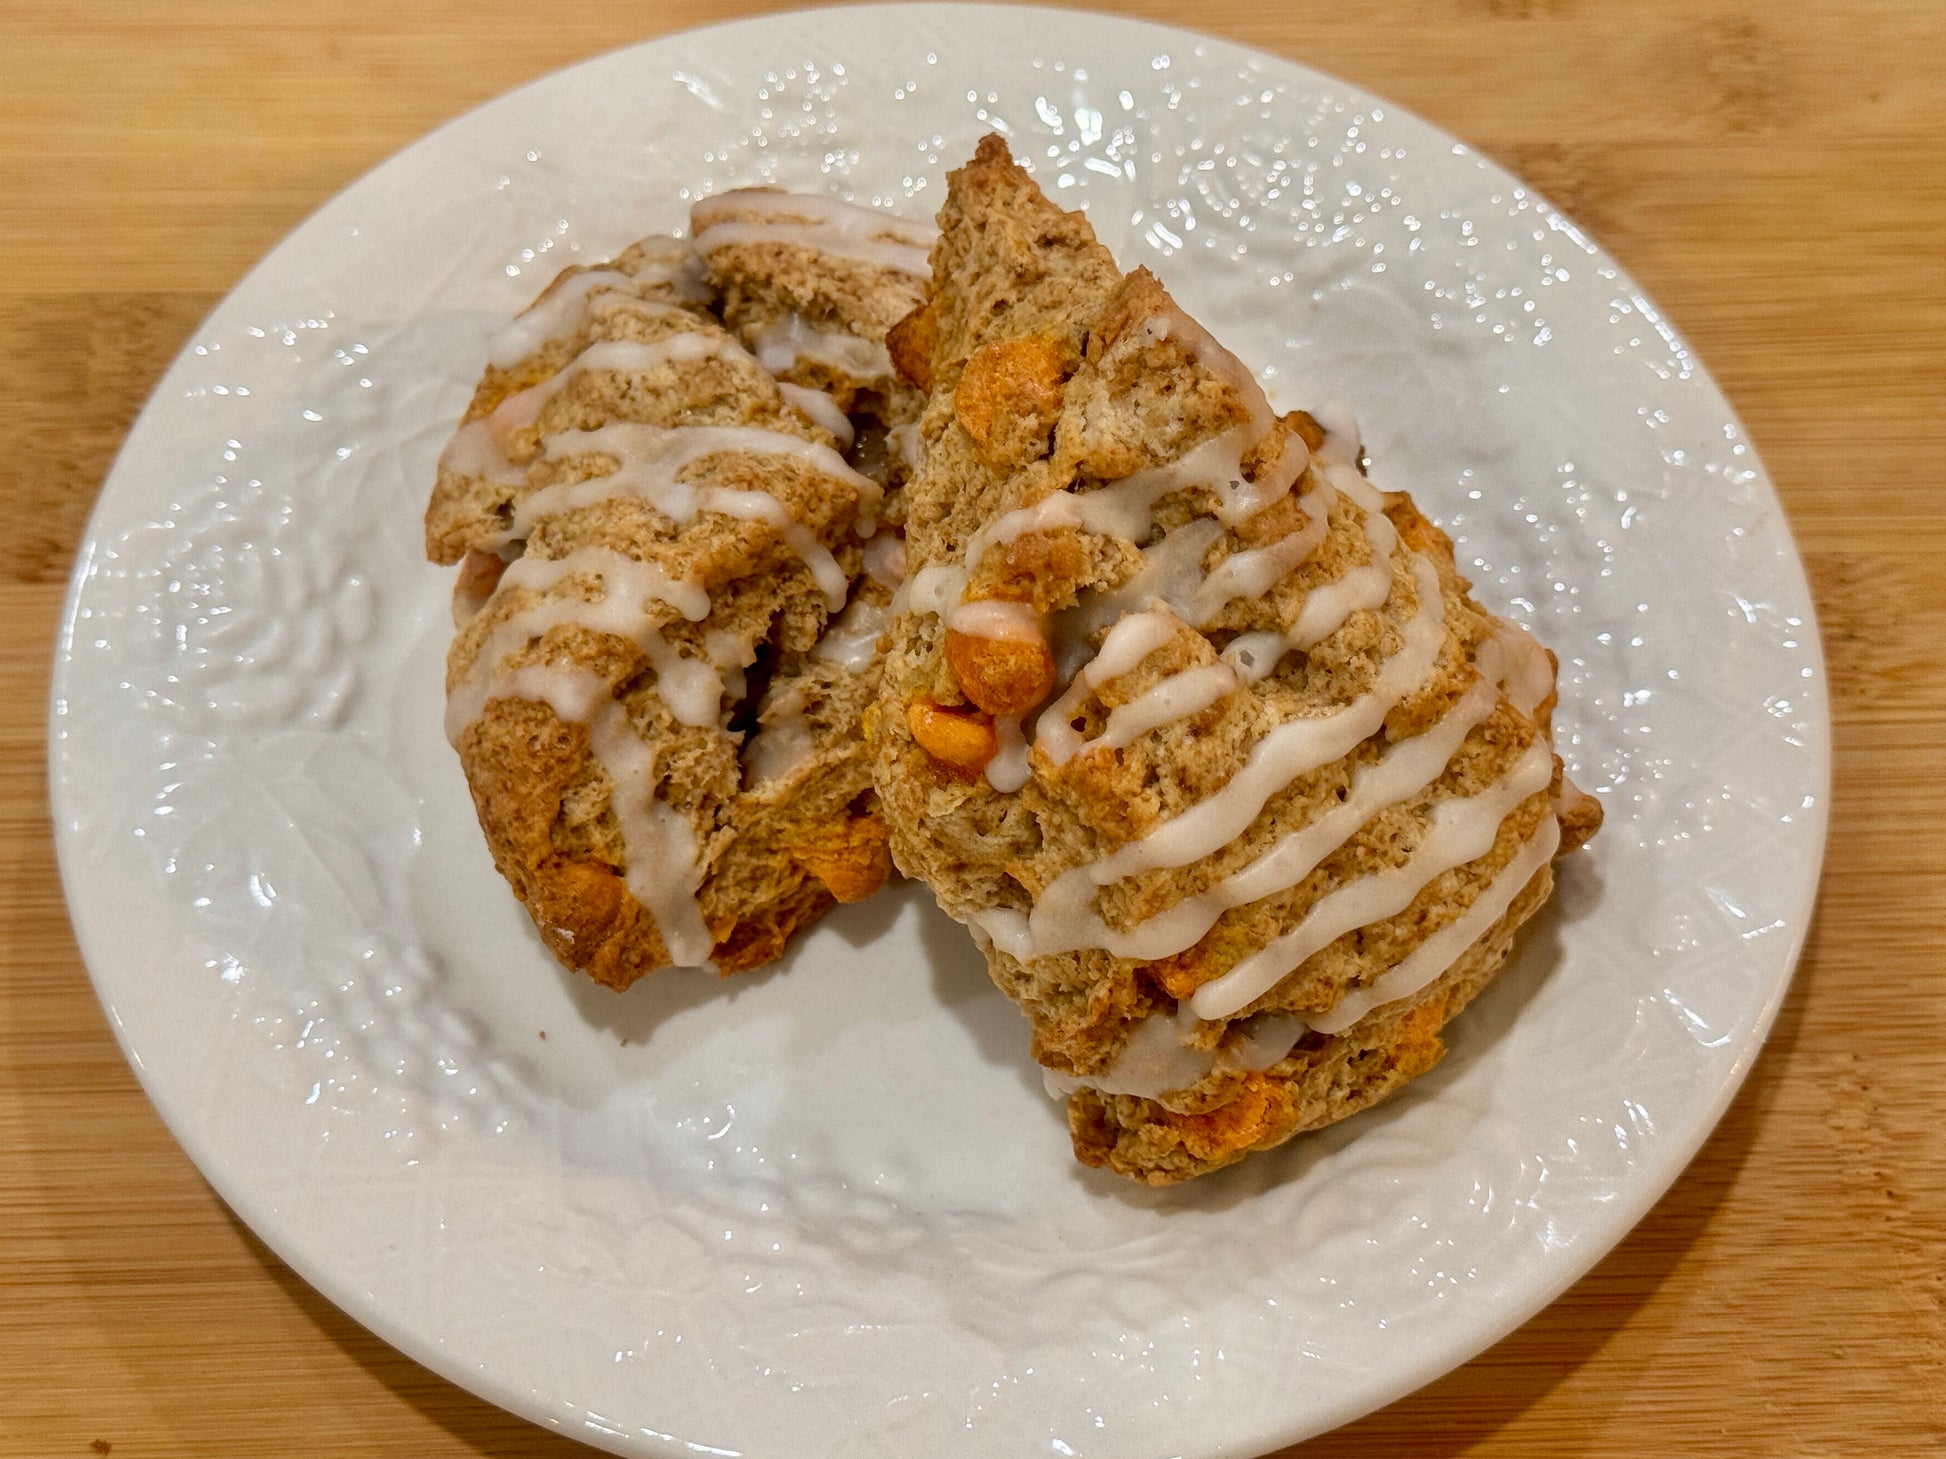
<point>568,303</point>
<point>650,459</point>
<point>1255,571</point>
<point>664,870</point>
<point>1293,748</point>
<point>691,690</point>
<point>1431,959</point>
<point>1177,697</point>
<point>1064,919</point>
<point>1458,831</point>
<point>1155,1061</point>
<point>823,225</point>
<point>784,342</point>
<point>818,407</point>
<point>479,448</point>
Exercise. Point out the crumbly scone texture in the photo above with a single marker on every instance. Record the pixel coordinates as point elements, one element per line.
<point>1049,371</point>
<point>820,322</point>
<point>565,693</point>
<point>772,292</point>
<point>1321,1081</point>
<point>472,509</point>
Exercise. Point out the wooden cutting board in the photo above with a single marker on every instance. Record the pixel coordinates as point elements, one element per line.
<point>1773,174</point>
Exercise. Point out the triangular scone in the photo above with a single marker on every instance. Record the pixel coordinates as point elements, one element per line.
<point>668,612</point>
<point>1201,733</point>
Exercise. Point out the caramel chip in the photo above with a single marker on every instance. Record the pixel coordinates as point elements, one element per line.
<point>1003,676</point>
<point>961,739</point>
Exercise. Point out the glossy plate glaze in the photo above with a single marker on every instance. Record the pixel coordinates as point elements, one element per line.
<point>827,1209</point>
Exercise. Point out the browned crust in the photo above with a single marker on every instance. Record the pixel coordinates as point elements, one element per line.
<point>910,343</point>
<point>761,937</point>
<point>851,858</point>
<point>1580,815</point>
<point>522,761</point>
<point>1325,1079</point>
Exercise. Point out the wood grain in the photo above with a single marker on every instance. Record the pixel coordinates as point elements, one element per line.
<point>1771,173</point>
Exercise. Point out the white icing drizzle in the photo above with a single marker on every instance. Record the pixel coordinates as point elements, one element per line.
<point>649,461</point>
<point>552,315</point>
<point>819,408</point>
<point>568,689</point>
<point>1218,462</point>
<point>1327,606</point>
<point>1064,918</point>
<point>479,448</point>
<point>1567,796</point>
<point>1177,697</point>
<point>1432,958</point>
<point>996,619</point>
<point>478,452</point>
<point>1121,508</point>
<point>851,641</point>
<point>785,341</point>
<point>664,866</point>
<point>826,225</point>
<point>1348,480</point>
<point>664,870</point>
<point>1156,1060</point>
<point>783,741</point>
<point>567,303</point>
<point>1254,655</point>
<point>1008,770</point>
<point>1207,351</point>
<point>1125,507</point>
<point>933,589</point>
<point>885,560</point>
<point>1291,749</point>
<point>623,356</point>
<point>1129,642</point>
<point>1153,1061</point>
<point>692,690</point>
<point>1342,445</point>
<point>1255,571</point>
<point>909,446</point>
<point>1267,1039</point>
<point>644,580</point>
<point>1177,571</point>
<point>1458,831</point>
<point>1530,677</point>
<point>1172,571</point>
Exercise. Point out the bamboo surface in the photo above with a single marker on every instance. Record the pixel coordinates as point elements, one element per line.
<point>1774,176</point>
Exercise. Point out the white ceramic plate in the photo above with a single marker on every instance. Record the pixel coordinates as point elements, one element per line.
<point>827,1209</point>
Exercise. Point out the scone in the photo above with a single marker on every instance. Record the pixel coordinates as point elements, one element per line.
<point>674,576</point>
<point>1241,792</point>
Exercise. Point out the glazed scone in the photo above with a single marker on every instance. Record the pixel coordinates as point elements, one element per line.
<point>672,587</point>
<point>1201,733</point>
